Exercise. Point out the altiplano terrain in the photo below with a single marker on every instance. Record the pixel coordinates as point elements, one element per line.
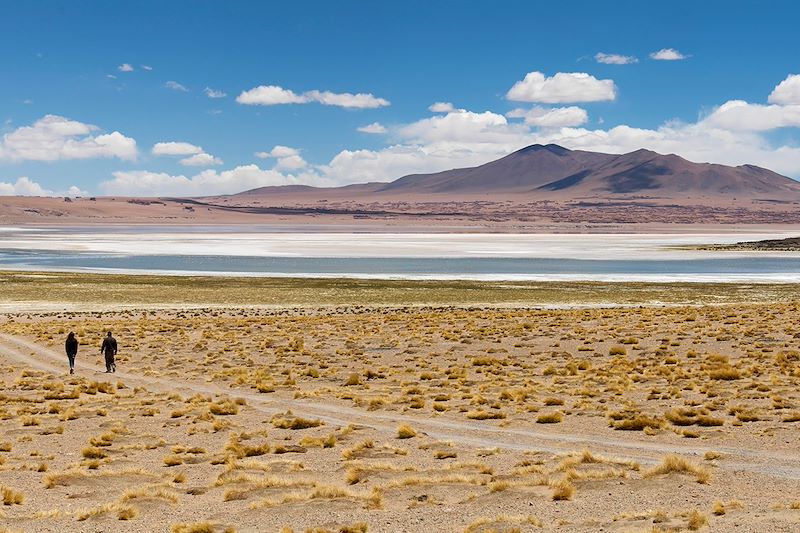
<point>535,188</point>
<point>355,418</point>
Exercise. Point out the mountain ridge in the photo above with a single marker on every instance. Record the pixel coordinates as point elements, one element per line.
<point>554,172</point>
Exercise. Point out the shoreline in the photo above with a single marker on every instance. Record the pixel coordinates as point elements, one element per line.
<point>28,290</point>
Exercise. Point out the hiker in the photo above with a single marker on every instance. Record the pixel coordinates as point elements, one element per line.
<point>109,349</point>
<point>71,346</point>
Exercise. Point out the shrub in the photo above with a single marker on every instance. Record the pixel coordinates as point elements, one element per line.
<point>406,432</point>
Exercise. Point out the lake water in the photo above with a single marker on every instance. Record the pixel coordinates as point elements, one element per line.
<point>270,251</point>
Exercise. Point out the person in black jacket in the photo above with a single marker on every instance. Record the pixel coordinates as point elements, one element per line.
<point>71,346</point>
<point>109,349</point>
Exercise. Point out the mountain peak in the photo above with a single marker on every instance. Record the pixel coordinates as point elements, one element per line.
<point>550,170</point>
<point>552,148</point>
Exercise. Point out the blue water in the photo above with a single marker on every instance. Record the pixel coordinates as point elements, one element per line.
<point>771,267</point>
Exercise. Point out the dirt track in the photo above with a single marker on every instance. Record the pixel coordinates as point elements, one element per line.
<point>773,464</point>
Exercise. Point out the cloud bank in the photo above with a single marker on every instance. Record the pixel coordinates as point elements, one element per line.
<point>53,138</point>
<point>275,95</point>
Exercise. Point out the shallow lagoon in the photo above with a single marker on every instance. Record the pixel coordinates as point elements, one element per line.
<point>271,252</point>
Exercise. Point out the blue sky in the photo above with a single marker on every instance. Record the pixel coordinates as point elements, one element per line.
<point>162,97</point>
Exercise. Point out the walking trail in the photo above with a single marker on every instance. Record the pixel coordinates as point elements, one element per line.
<point>776,464</point>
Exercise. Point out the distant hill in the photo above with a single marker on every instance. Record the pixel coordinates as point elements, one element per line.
<point>554,172</point>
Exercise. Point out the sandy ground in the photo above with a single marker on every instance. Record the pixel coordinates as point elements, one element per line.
<point>606,419</point>
<point>483,213</point>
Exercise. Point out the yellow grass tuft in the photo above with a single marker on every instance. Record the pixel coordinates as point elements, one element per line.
<point>11,496</point>
<point>405,431</point>
<point>677,464</point>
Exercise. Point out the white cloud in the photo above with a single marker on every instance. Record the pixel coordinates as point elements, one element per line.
<point>441,107</point>
<point>201,160</point>
<point>563,87</point>
<point>52,138</point>
<point>125,67</point>
<point>214,93</point>
<point>348,100</point>
<point>668,54</point>
<point>787,92</point>
<point>206,183</point>
<point>375,127</point>
<point>146,67</point>
<point>615,59</point>
<point>270,95</point>
<point>24,186</point>
<point>278,151</point>
<point>175,86</point>
<point>275,95</point>
<point>461,126</point>
<point>287,158</point>
<point>175,148</point>
<point>197,156</point>
<point>741,115</point>
<point>557,117</point>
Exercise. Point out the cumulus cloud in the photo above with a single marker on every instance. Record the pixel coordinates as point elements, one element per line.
<point>441,107</point>
<point>287,158</point>
<point>197,156</point>
<point>53,138</point>
<point>200,160</point>
<point>787,92</point>
<point>557,117</point>
<point>275,95</point>
<point>175,86</point>
<point>668,54</point>
<point>206,183</point>
<point>375,127</point>
<point>731,134</point>
<point>125,67</point>
<point>563,87</point>
<point>24,186</point>
<point>741,115</point>
<point>175,148</point>
<point>214,93</point>
<point>278,151</point>
<point>614,59</point>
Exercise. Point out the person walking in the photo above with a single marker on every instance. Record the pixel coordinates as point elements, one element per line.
<point>109,349</point>
<point>71,346</point>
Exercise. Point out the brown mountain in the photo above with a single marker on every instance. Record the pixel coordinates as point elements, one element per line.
<point>554,172</point>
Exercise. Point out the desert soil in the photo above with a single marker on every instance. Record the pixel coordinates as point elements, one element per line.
<point>354,418</point>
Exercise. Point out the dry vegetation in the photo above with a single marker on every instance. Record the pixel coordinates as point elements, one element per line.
<point>405,418</point>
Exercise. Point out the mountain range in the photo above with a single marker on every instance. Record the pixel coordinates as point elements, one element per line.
<point>554,172</point>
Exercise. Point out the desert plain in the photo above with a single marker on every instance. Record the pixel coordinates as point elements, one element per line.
<point>367,405</point>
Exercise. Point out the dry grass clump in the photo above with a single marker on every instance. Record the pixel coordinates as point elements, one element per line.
<point>563,489</point>
<point>550,418</point>
<point>11,496</point>
<point>726,373</point>
<point>696,520</point>
<point>93,452</point>
<point>319,442</point>
<point>372,500</point>
<point>289,421</point>
<point>485,415</point>
<point>404,431</point>
<point>677,464</point>
<point>485,524</point>
<point>225,407</point>
<point>633,421</point>
<point>720,508</point>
